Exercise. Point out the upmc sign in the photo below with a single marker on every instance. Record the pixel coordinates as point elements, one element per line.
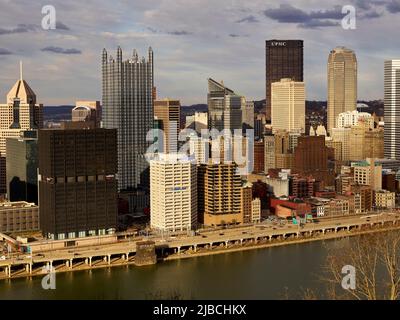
<point>278,44</point>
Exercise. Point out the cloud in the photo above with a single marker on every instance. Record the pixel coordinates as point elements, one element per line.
<point>152,30</point>
<point>335,14</point>
<point>316,23</point>
<point>234,35</point>
<point>4,52</point>
<point>248,19</point>
<point>286,13</point>
<point>24,28</point>
<point>61,50</point>
<point>393,6</point>
<point>21,28</point>
<point>61,26</point>
<point>216,42</point>
<point>371,15</point>
<point>179,33</point>
<point>173,33</point>
<point>363,4</point>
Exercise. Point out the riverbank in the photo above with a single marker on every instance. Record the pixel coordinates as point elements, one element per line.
<point>118,262</point>
<point>277,243</point>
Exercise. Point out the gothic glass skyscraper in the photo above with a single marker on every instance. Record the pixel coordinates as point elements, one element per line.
<point>128,107</point>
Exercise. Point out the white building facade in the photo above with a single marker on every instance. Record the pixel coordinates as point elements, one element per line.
<point>173,192</point>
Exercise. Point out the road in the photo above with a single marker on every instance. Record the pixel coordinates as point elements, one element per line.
<point>262,230</point>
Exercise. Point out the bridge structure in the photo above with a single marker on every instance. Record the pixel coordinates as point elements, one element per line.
<point>123,252</point>
<point>262,234</point>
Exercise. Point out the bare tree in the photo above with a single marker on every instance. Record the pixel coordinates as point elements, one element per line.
<point>376,259</point>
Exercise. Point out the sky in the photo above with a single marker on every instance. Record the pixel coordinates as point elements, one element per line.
<point>192,40</point>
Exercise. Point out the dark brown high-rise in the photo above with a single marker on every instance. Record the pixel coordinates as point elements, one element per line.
<point>311,158</point>
<point>283,59</point>
<point>77,184</point>
<point>259,162</point>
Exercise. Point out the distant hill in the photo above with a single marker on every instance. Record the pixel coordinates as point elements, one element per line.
<point>63,112</point>
<point>57,113</point>
<point>188,110</point>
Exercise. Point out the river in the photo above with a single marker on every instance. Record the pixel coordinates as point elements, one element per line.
<point>269,273</point>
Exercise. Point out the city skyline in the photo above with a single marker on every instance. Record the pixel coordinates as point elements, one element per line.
<point>121,174</point>
<point>62,62</point>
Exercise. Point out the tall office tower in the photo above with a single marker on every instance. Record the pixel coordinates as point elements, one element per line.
<point>336,146</point>
<point>128,107</point>
<point>283,59</point>
<point>77,182</point>
<point>247,114</point>
<point>278,151</point>
<point>22,164</point>
<point>259,156</point>
<point>342,84</point>
<point>168,111</point>
<point>19,113</point>
<point>246,197</point>
<point>288,105</point>
<point>224,107</point>
<point>392,109</point>
<point>87,111</point>
<point>311,158</point>
<point>342,135</point>
<point>269,152</point>
<point>173,192</point>
<point>284,148</point>
<point>259,126</point>
<point>219,194</point>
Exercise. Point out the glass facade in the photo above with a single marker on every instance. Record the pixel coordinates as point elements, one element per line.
<point>128,107</point>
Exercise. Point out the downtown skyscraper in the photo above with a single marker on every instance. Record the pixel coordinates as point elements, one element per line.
<point>128,107</point>
<point>224,107</point>
<point>342,84</point>
<point>392,109</point>
<point>283,59</point>
<point>288,105</point>
<point>21,112</point>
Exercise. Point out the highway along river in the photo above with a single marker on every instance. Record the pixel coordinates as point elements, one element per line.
<point>271,273</point>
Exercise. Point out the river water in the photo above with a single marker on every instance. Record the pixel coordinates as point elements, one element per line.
<point>270,273</point>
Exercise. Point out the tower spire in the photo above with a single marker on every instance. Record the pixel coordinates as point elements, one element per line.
<point>20,70</point>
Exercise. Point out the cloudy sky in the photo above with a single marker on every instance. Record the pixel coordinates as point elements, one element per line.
<point>192,40</point>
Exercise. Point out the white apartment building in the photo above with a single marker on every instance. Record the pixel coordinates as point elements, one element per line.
<point>173,192</point>
<point>351,118</point>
